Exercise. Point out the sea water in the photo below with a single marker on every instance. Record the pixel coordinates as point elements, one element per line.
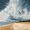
<point>14,10</point>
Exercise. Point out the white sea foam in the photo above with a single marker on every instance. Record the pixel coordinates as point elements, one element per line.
<point>12,10</point>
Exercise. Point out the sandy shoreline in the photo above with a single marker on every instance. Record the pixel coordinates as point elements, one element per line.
<point>17,26</point>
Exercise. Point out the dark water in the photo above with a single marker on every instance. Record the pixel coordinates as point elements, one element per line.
<point>3,4</point>
<point>26,3</point>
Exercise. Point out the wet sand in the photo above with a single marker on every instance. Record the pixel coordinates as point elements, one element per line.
<point>17,26</point>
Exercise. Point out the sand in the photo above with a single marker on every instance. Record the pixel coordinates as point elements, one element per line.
<point>17,26</point>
